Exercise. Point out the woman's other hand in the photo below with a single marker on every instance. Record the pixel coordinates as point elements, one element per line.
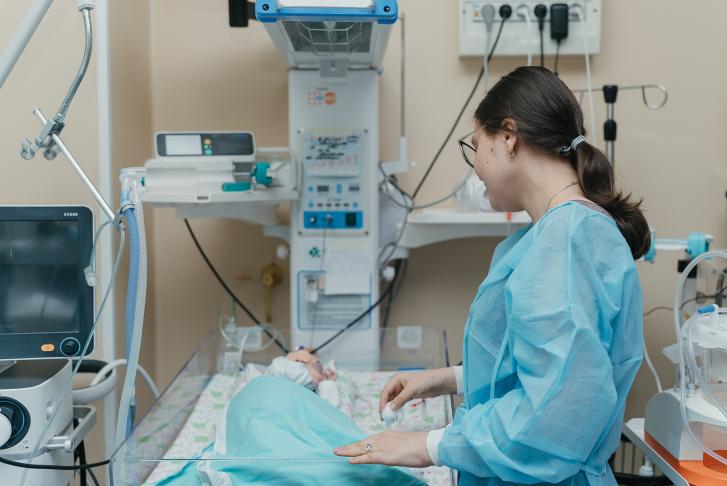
<point>403,387</point>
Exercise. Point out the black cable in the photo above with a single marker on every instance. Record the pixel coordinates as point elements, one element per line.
<point>368,311</point>
<point>229,291</point>
<point>703,296</point>
<point>557,57</point>
<point>661,307</point>
<point>90,365</point>
<point>8,462</point>
<point>81,451</point>
<point>540,12</point>
<point>93,477</point>
<point>461,113</point>
<point>395,293</point>
<point>392,297</point>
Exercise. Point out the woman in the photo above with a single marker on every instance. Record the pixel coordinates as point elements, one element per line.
<point>554,336</point>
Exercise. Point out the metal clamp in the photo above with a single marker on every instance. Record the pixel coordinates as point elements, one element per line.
<point>86,417</point>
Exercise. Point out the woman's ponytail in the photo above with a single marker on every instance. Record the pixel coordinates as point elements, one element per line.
<point>596,179</point>
<point>548,119</point>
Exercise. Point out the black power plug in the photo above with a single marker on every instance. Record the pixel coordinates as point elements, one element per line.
<point>540,12</point>
<point>559,21</point>
<point>505,12</point>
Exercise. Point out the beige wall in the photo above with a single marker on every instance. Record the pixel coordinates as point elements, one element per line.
<point>234,79</point>
<point>177,65</point>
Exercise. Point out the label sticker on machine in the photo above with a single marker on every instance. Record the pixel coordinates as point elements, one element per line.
<point>317,310</point>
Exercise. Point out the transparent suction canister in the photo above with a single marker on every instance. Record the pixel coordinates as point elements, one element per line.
<point>709,345</point>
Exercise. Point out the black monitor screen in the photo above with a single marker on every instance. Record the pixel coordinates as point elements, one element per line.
<point>41,277</point>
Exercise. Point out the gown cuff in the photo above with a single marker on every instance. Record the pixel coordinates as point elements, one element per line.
<point>459,376</point>
<point>433,439</point>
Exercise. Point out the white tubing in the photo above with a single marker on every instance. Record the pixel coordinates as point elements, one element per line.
<point>524,12</point>
<point>96,391</point>
<point>647,358</point>
<point>127,394</point>
<point>485,64</point>
<point>117,363</point>
<point>589,79</point>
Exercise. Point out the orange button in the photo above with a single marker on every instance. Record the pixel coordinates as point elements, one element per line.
<point>48,348</point>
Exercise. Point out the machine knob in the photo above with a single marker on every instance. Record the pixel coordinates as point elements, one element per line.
<point>70,346</point>
<point>6,429</point>
<point>282,252</point>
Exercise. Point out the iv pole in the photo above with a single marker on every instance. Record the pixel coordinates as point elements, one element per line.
<point>610,94</point>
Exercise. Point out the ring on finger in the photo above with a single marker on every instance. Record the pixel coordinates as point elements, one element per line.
<point>369,446</point>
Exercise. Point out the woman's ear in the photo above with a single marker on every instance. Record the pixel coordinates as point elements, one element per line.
<point>509,135</point>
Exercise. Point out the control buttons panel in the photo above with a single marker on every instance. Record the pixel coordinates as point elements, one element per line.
<point>333,184</point>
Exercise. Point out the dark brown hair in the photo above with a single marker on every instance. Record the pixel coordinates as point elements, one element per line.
<point>548,119</point>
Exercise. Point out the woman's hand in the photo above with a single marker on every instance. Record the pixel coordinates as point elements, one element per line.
<point>403,387</point>
<point>391,448</point>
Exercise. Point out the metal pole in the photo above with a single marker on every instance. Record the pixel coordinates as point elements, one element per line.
<point>20,39</point>
<point>77,167</point>
<point>610,128</point>
<point>106,183</point>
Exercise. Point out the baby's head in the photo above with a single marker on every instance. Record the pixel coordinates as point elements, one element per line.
<point>313,365</point>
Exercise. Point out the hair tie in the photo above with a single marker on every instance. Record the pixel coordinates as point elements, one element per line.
<point>573,145</point>
<point>577,141</point>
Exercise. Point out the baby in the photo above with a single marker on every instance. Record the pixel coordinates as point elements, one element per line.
<point>301,367</point>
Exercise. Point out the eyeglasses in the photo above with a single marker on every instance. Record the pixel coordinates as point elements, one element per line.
<point>467,150</point>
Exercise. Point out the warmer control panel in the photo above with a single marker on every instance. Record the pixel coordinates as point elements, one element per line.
<point>333,181</point>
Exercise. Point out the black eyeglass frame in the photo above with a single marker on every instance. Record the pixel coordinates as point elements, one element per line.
<point>462,142</point>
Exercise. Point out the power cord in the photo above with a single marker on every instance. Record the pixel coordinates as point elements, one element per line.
<point>8,462</point>
<point>229,291</point>
<point>505,13</point>
<point>540,12</point>
<point>394,294</point>
<point>557,57</point>
<point>80,454</point>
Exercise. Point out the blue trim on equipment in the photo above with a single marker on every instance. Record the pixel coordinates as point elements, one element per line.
<point>697,244</point>
<point>385,12</point>
<point>708,309</point>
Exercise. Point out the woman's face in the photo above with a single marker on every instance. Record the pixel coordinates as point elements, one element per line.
<point>495,168</point>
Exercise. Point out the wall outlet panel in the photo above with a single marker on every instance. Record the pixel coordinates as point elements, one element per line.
<point>516,39</point>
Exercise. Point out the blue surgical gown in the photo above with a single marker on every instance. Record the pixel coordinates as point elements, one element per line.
<point>557,327</point>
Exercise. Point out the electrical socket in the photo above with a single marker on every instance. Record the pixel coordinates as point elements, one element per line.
<point>519,40</point>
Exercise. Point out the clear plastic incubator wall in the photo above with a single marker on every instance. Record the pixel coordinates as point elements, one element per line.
<point>175,441</point>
